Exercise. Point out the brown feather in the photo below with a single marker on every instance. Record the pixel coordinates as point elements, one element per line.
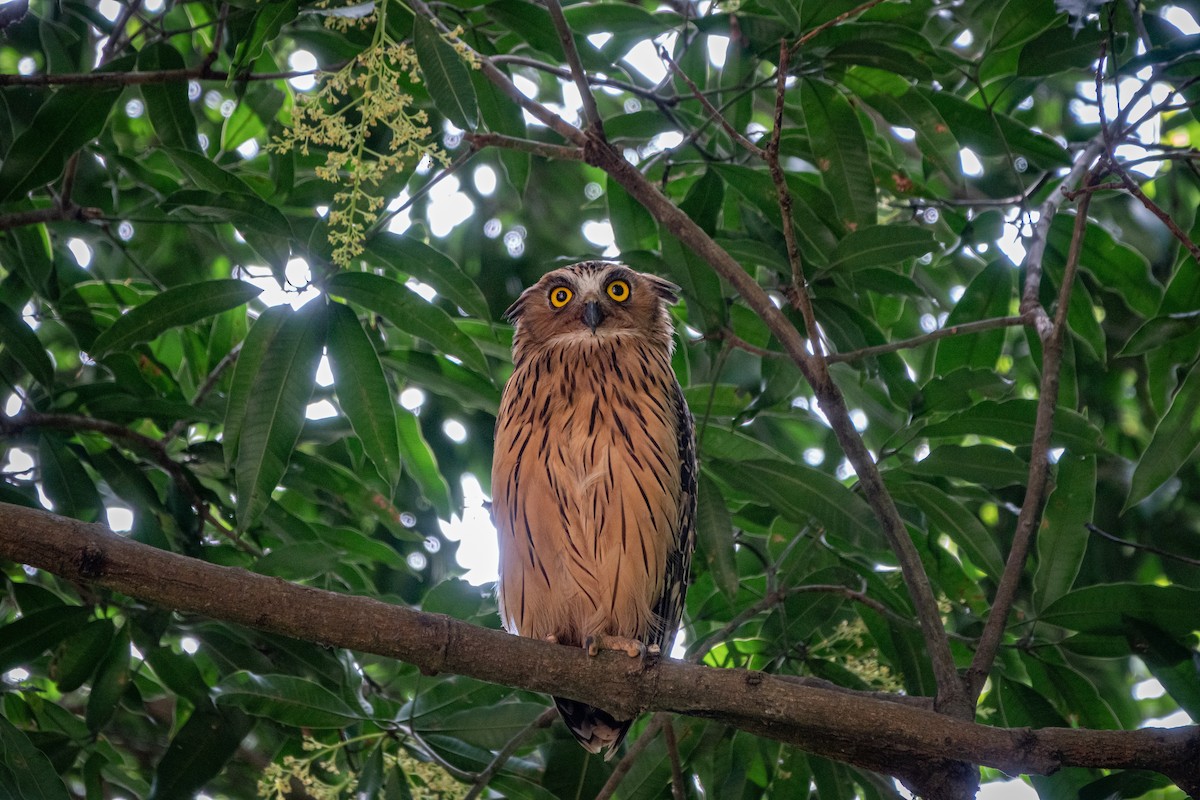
<point>593,477</point>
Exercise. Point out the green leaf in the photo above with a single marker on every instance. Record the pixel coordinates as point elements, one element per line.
<point>704,200</point>
<point>446,75</point>
<point>984,464</point>
<point>1161,331</point>
<point>1175,666</point>
<point>181,305</point>
<point>198,751</point>
<point>1174,443</point>
<point>274,419</point>
<point>167,102</point>
<point>714,536</point>
<point>112,677</point>
<point>1013,421</point>
<point>22,343</point>
<point>66,482</point>
<point>412,257</point>
<point>804,495</point>
<point>33,634</point>
<point>1060,49</point>
<point>409,312</point>
<point>950,517</point>
<point>990,133</point>
<point>72,117</point>
<point>633,227</point>
<point>285,699</point>
<point>839,149</point>
<point>881,245</point>
<point>487,726</point>
<point>894,99</point>
<point>420,462</point>
<point>988,295</point>
<point>25,772</point>
<point>257,345</point>
<point>363,392</point>
<point>1105,608</point>
<point>79,655</point>
<point>269,20</point>
<point>1062,540</point>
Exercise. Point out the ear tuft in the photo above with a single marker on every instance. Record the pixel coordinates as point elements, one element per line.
<point>666,290</point>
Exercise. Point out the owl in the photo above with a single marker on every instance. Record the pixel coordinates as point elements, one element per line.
<point>594,473</point>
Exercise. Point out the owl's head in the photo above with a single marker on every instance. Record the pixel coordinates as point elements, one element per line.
<point>593,300</point>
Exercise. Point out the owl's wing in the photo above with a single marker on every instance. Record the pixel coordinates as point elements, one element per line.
<point>669,606</point>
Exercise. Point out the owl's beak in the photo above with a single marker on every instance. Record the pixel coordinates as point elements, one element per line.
<point>593,314</point>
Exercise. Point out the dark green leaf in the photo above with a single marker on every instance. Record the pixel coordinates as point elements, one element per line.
<point>633,227</point>
<point>363,391</point>
<point>112,676</point>
<point>19,340</point>
<point>804,495</point>
<point>714,536</point>
<point>420,462</point>
<point>285,699</point>
<point>79,655</point>
<point>1012,421</point>
<point>181,305</point>
<point>1174,443</point>
<point>272,422</point>
<point>881,245</point>
<point>72,117</point>
<point>1160,331</point>
<point>1104,608</point>
<point>987,296</point>
<point>258,344</point>
<point>409,312</point>
<point>269,20</point>
<point>198,751</point>
<point>33,634</point>
<point>66,482</point>
<point>1062,539</point>
<point>167,102</point>
<point>840,150</point>
<point>25,772</point>
<point>410,256</point>
<point>950,517</point>
<point>446,75</point>
<point>988,465</point>
<point>1175,666</point>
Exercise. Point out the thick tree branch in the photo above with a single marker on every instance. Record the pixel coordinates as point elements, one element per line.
<point>847,726</point>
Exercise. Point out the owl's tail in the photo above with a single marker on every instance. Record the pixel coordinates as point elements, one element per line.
<point>594,728</point>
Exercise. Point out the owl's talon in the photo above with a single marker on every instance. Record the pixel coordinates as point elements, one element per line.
<point>552,639</point>
<point>630,647</point>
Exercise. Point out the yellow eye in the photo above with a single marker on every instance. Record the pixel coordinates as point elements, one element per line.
<point>560,296</point>
<point>619,291</point>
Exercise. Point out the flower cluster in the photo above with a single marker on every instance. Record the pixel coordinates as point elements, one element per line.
<point>320,776</point>
<point>849,639</point>
<point>364,120</point>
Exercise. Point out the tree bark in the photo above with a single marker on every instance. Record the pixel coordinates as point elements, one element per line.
<point>912,743</point>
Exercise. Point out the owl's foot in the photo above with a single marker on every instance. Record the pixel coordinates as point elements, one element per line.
<point>552,639</point>
<point>630,647</point>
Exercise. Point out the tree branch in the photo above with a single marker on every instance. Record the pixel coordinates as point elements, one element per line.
<point>848,726</point>
<point>1030,515</point>
<point>56,213</point>
<point>976,326</point>
<point>591,115</point>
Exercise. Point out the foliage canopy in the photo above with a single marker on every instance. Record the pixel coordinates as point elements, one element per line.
<point>989,215</point>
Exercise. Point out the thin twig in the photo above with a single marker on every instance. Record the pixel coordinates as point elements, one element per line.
<point>199,73</point>
<point>677,784</point>
<point>799,294</point>
<point>505,753</point>
<point>714,115</point>
<point>838,20</point>
<point>383,221</point>
<point>210,383</point>
<point>1149,548</point>
<point>543,149</point>
<point>1154,208</point>
<point>597,80</point>
<point>631,756</point>
<point>591,115</point>
<point>976,326</point>
<point>70,212</point>
<point>1039,466</point>
<point>114,43</point>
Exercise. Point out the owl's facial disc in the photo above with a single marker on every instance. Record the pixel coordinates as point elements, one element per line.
<point>593,314</point>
